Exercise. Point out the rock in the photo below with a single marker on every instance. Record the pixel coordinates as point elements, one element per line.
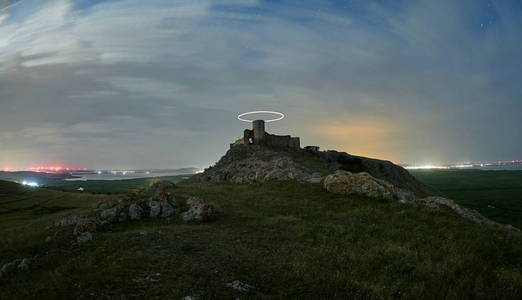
<point>255,164</point>
<point>343,182</point>
<point>135,211</point>
<point>467,213</point>
<point>155,208</point>
<point>71,220</point>
<point>404,196</point>
<point>241,287</point>
<point>87,225</point>
<point>198,210</point>
<point>17,264</point>
<point>166,209</point>
<point>24,264</point>
<point>161,186</point>
<point>510,227</point>
<point>164,196</point>
<point>48,239</point>
<point>9,267</point>
<point>85,237</point>
<point>188,298</point>
<point>122,216</point>
<point>110,214</point>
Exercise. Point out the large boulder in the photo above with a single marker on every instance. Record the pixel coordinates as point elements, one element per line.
<point>344,182</point>
<point>85,230</point>
<point>161,186</point>
<point>199,210</point>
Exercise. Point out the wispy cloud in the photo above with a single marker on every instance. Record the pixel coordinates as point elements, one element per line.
<point>430,68</point>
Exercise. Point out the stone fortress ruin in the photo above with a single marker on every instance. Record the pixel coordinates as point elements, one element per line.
<point>258,136</point>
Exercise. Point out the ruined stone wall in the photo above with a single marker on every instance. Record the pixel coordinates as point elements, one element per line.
<point>282,141</point>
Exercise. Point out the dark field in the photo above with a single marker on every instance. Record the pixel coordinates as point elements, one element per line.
<point>289,240</point>
<point>495,194</point>
<point>107,186</point>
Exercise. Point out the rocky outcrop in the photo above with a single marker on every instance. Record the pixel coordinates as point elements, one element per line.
<point>255,163</point>
<point>467,213</point>
<point>343,182</point>
<point>157,201</point>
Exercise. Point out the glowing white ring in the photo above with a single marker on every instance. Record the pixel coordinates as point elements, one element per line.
<point>280,115</point>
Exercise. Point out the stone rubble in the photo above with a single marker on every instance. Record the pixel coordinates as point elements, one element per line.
<point>15,265</point>
<point>240,286</point>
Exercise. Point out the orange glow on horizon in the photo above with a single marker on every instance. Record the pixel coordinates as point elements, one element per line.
<point>376,140</point>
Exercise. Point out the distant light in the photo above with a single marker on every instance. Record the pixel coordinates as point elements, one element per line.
<point>30,183</point>
<point>425,167</point>
<point>99,172</point>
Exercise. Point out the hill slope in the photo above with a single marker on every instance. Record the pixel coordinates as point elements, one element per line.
<point>253,163</point>
<point>289,240</point>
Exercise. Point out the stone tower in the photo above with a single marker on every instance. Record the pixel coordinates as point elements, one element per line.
<point>258,126</point>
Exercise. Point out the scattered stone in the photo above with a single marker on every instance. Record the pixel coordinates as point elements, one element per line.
<point>135,211</point>
<point>24,264</point>
<point>85,237</point>
<point>241,287</point>
<point>17,264</point>
<point>48,239</point>
<point>71,220</point>
<point>153,278</point>
<point>188,298</point>
<point>343,182</point>
<point>198,210</point>
<point>510,227</point>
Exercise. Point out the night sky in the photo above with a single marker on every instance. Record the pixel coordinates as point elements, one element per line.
<point>158,83</point>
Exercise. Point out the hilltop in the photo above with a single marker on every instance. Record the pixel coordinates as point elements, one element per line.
<point>264,222</point>
<point>287,239</point>
<point>255,163</point>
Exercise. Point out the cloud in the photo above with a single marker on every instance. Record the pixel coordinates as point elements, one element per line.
<point>181,70</point>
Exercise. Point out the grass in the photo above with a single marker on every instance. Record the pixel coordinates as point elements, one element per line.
<point>25,206</point>
<point>290,240</point>
<point>108,186</point>
<point>495,194</point>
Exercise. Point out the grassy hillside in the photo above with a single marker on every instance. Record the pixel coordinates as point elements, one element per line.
<point>289,240</point>
<point>24,206</point>
<point>108,186</point>
<point>495,194</point>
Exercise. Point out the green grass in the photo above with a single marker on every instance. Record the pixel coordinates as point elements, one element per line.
<point>27,206</point>
<point>108,186</point>
<point>495,194</point>
<point>290,240</point>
